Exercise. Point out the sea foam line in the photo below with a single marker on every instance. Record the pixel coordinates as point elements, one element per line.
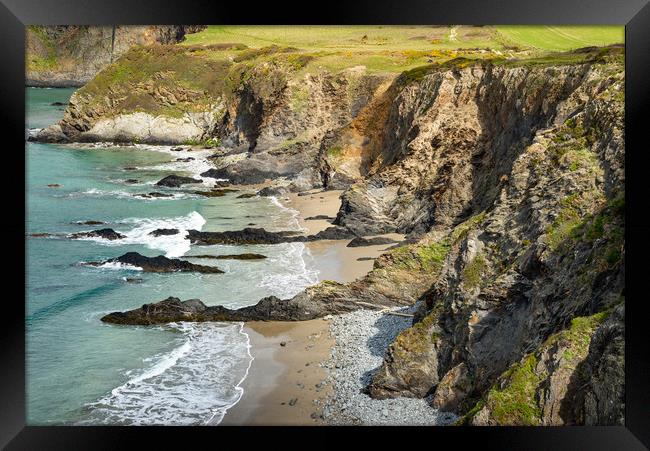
<point>238,387</point>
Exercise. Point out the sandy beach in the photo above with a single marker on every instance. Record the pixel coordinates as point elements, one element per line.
<point>287,383</point>
<point>285,376</point>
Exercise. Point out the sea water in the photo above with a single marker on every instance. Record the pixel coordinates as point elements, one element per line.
<point>82,371</point>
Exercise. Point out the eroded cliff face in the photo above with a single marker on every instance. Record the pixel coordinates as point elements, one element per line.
<point>71,55</point>
<point>544,246</point>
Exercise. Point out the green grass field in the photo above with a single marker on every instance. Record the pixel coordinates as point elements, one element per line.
<point>558,38</point>
<point>399,48</point>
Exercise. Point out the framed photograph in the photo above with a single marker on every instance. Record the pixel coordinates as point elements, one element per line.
<point>366,216</point>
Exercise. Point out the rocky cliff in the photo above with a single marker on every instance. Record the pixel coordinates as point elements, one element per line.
<point>507,175</point>
<point>71,55</point>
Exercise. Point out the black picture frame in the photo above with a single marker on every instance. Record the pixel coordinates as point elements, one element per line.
<point>634,14</point>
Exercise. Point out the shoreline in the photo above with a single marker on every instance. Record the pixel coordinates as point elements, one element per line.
<point>289,382</point>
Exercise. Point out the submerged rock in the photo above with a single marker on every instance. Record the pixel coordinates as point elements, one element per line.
<point>246,196</point>
<point>360,241</point>
<point>163,232</point>
<point>159,264</point>
<point>89,222</point>
<point>176,181</point>
<point>153,194</point>
<point>107,234</point>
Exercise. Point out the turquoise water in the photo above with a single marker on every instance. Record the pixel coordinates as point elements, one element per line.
<point>82,371</point>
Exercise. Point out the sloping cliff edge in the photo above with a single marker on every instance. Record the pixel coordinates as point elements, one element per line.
<point>507,175</point>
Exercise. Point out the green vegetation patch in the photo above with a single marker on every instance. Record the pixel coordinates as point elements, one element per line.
<point>474,271</point>
<point>43,56</point>
<point>567,223</point>
<point>417,338</point>
<point>513,399</point>
<point>461,230</point>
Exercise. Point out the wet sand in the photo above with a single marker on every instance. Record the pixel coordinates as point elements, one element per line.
<point>284,380</point>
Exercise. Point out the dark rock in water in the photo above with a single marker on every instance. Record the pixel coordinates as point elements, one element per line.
<point>54,185</point>
<point>221,184</point>
<point>251,235</point>
<point>251,223</point>
<point>273,191</point>
<point>365,259</point>
<point>154,194</point>
<point>246,196</point>
<point>175,181</point>
<point>360,241</point>
<point>41,235</point>
<point>185,160</point>
<point>214,173</point>
<point>231,257</point>
<point>90,222</point>
<point>160,264</point>
<point>305,193</point>
<point>133,280</point>
<point>242,176</point>
<point>215,192</point>
<point>58,104</point>
<point>161,232</point>
<point>130,168</point>
<point>177,149</point>
<point>107,234</point>
<point>245,236</point>
<point>333,233</point>
<point>131,181</point>
<point>318,217</point>
<point>320,300</point>
<point>293,401</point>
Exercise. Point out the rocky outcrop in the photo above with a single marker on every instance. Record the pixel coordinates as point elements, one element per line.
<point>176,181</point>
<point>252,235</point>
<point>159,264</point>
<point>546,248</point>
<point>71,55</point>
<point>452,134</point>
<point>359,241</point>
<point>107,234</point>
<point>554,385</point>
<point>247,256</point>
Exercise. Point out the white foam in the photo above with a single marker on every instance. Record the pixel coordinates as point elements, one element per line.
<point>193,384</point>
<point>94,192</point>
<point>119,266</point>
<point>173,245</point>
<point>296,274</point>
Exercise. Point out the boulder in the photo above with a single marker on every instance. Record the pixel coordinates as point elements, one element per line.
<point>175,181</point>
<point>107,234</point>
<point>360,241</point>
